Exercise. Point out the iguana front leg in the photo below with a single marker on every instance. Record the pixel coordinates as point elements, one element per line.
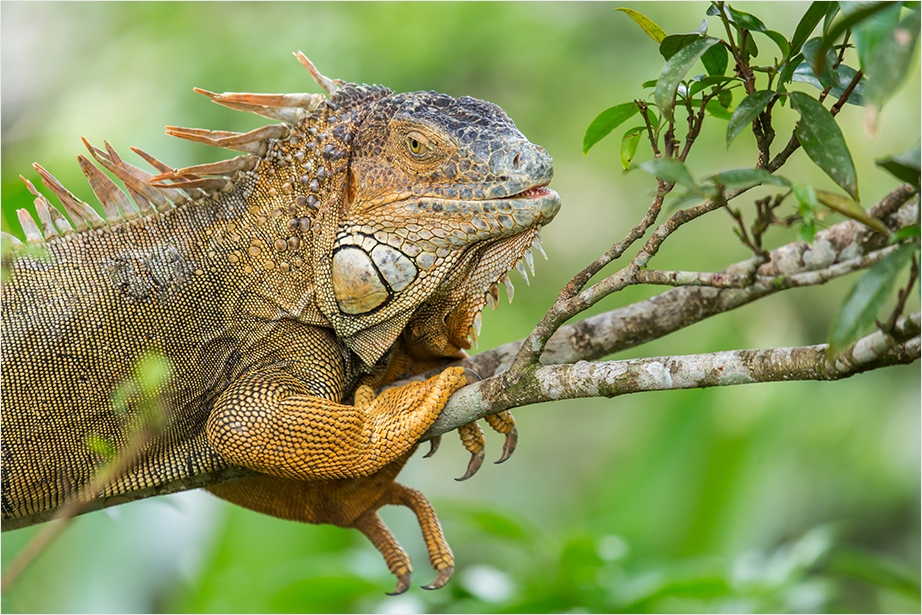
<point>269,422</point>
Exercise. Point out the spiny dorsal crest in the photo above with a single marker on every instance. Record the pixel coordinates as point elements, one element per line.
<point>149,194</point>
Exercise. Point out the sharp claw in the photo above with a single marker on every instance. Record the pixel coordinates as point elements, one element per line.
<point>433,446</point>
<point>403,583</point>
<point>442,578</point>
<point>472,466</point>
<point>471,376</point>
<point>512,438</point>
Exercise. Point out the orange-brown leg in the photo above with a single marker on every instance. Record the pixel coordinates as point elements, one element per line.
<point>397,560</point>
<point>268,422</point>
<point>440,555</point>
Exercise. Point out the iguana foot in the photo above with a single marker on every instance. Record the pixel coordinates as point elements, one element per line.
<point>440,556</point>
<point>472,439</point>
<point>403,584</point>
<point>502,422</point>
<point>397,560</point>
<point>350,503</point>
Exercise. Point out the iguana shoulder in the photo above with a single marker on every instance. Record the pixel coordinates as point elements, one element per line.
<point>353,242</point>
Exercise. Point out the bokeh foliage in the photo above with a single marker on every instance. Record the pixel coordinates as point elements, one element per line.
<point>783,497</point>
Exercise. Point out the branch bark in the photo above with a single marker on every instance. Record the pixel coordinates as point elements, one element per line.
<point>615,378</point>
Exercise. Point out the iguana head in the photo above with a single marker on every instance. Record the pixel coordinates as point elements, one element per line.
<point>444,197</point>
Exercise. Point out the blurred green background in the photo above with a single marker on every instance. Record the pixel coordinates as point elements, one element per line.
<point>782,497</point>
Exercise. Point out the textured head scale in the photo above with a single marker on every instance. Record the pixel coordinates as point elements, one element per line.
<point>443,196</point>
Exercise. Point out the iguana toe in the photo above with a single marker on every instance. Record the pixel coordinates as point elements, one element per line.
<point>502,422</point>
<point>442,578</point>
<point>512,438</point>
<point>472,439</point>
<point>403,583</point>
<point>433,446</point>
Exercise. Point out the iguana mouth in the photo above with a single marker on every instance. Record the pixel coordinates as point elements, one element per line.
<point>531,193</point>
<point>500,258</point>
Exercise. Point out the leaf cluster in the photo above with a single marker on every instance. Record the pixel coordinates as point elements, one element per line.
<point>741,87</point>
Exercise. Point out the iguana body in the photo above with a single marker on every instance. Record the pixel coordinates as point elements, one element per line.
<point>353,244</point>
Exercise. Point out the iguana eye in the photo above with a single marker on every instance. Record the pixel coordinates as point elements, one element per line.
<point>417,145</point>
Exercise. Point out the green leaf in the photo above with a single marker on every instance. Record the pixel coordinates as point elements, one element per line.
<point>889,61</point>
<point>904,167</point>
<point>670,170</point>
<point>866,298</point>
<point>832,33</point>
<point>748,110</point>
<point>807,24</point>
<point>647,24</point>
<point>629,143</point>
<point>751,48</point>
<point>905,233</point>
<point>779,40</point>
<point>850,209</point>
<point>821,66</point>
<point>746,21</point>
<point>649,84</point>
<point>152,371</point>
<point>122,396</point>
<point>715,60</point>
<point>804,74</point>
<point>500,525</point>
<point>716,109</point>
<point>746,178</point>
<point>822,140</point>
<point>607,121</point>
<point>675,42</point>
<point>807,206</point>
<point>831,11</point>
<point>675,70</point>
<point>788,71</point>
<point>704,82</point>
<point>870,33</point>
<point>875,570</point>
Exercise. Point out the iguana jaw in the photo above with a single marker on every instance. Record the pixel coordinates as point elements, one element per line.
<point>451,320</point>
<point>431,266</point>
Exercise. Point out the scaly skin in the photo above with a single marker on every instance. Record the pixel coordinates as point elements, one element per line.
<point>352,245</point>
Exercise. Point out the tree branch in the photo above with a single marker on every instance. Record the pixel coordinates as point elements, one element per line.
<point>615,378</point>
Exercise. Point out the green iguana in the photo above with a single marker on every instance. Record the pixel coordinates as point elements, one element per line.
<point>353,244</point>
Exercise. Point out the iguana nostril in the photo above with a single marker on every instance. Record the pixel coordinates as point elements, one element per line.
<point>517,161</point>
